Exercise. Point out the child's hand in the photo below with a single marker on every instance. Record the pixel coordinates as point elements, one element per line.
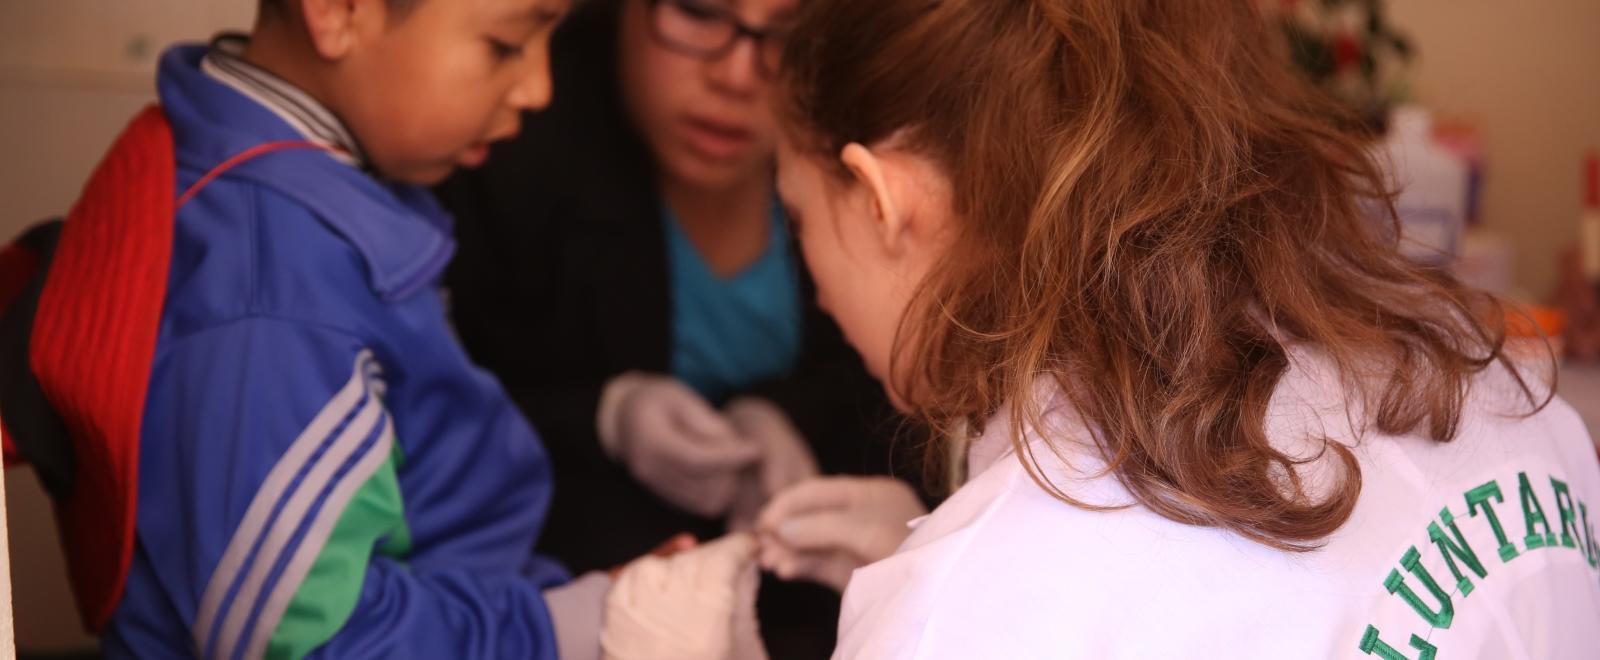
<point>672,546</point>
<point>693,605</point>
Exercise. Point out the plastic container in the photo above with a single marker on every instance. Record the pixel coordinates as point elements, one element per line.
<point>1433,182</point>
<point>1589,225</point>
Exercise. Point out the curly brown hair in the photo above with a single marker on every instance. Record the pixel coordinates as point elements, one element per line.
<point>1152,206</point>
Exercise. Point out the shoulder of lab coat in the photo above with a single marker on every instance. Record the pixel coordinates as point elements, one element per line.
<point>1006,570</point>
<point>932,599</point>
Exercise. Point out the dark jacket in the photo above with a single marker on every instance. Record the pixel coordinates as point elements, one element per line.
<point>561,282</point>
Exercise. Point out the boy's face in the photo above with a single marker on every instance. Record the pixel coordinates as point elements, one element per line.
<point>428,92</point>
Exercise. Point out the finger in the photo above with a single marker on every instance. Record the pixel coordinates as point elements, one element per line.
<point>752,416</point>
<point>825,530</point>
<point>773,552</point>
<point>698,422</point>
<point>722,559</point>
<point>813,495</point>
<point>747,501</point>
<point>702,421</point>
<point>826,569</point>
<point>645,570</point>
<point>679,543</point>
<point>782,472</point>
<point>834,572</point>
<point>739,546</point>
<point>770,557</point>
<point>697,455</point>
<point>686,429</point>
<point>704,496</point>
<point>669,450</point>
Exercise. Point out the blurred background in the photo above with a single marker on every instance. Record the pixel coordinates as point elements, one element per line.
<point>1506,96</point>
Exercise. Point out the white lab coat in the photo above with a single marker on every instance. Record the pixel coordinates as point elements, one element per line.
<point>1003,570</point>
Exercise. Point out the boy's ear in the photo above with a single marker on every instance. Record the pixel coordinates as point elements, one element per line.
<point>335,27</point>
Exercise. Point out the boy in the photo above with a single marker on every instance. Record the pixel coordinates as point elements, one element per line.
<point>319,466</point>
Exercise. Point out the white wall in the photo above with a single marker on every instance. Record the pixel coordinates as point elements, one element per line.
<point>104,39</point>
<point>1528,72</point>
<point>72,72</point>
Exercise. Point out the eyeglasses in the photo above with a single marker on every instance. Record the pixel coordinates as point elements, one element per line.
<point>708,32</point>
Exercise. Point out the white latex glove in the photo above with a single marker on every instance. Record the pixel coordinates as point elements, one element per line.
<point>786,459</point>
<point>673,442</point>
<point>695,605</point>
<point>824,529</point>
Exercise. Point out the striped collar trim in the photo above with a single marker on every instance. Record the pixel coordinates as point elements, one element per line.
<point>225,64</point>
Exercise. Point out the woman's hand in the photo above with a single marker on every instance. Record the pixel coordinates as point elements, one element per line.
<point>824,529</point>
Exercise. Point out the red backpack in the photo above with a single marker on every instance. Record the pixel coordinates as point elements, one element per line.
<point>82,304</point>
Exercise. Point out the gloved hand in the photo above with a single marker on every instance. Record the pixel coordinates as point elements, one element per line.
<point>786,459</point>
<point>673,442</point>
<point>695,605</point>
<point>824,529</point>
<point>577,608</point>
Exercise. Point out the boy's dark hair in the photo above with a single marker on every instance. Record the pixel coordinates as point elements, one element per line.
<point>394,5</point>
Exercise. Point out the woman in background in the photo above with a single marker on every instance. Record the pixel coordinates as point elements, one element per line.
<point>626,271</point>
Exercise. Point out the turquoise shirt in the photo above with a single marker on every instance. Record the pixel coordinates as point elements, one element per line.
<point>731,333</point>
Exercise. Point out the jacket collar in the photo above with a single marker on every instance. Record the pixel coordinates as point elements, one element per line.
<point>400,232</point>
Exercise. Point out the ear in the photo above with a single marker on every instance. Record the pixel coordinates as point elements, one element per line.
<point>335,27</point>
<point>871,172</point>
